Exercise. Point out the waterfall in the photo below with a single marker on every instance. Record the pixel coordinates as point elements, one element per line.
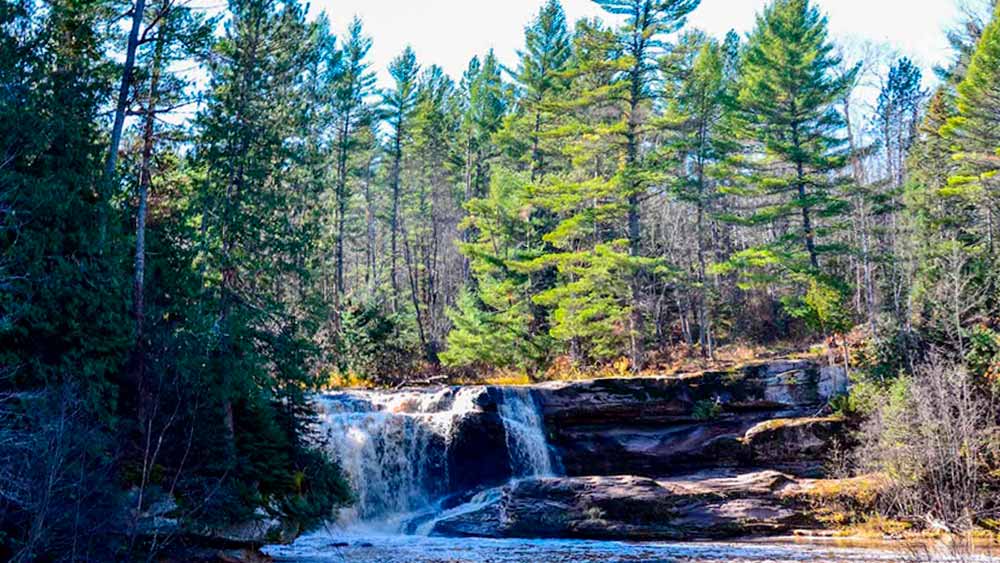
<point>391,446</point>
<point>394,446</point>
<point>526,444</point>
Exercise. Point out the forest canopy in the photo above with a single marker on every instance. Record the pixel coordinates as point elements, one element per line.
<point>205,216</point>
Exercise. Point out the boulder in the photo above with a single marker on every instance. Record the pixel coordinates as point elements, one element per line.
<point>702,506</point>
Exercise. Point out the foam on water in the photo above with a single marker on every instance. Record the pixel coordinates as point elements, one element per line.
<point>393,447</point>
<point>526,443</point>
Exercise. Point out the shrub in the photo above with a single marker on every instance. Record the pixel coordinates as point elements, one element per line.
<point>58,497</point>
<point>935,436</point>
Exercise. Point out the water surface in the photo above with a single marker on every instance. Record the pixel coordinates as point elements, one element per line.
<point>324,547</point>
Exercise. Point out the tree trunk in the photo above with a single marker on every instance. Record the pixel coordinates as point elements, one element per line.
<point>138,358</point>
<point>634,241</point>
<point>121,107</point>
<point>394,219</point>
<point>342,201</point>
<point>863,231</point>
<point>429,352</point>
<point>536,151</point>
<point>800,184</point>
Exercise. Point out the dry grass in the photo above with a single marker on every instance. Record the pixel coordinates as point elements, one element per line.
<point>498,377</point>
<point>678,360</point>
<point>349,380</point>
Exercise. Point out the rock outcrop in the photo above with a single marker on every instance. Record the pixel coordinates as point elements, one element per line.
<point>710,505</point>
<point>656,426</point>
<point>477,455</point>
<point>700,456</point>
<point>707,455</point>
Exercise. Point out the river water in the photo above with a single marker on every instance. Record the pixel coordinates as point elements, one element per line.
<point>351,547</point>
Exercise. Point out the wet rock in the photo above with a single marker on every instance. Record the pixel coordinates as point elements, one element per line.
<point>703,506</point>
<point>477,453</point>
<point>207,555</point>
<point>250,533</point>
<point>654,449</point>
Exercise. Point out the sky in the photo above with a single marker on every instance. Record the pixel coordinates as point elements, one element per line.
<point>449,32</point>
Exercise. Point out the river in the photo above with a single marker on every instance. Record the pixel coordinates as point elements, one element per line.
<point>340,547</point>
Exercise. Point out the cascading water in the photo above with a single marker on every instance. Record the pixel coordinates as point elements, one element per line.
<point>394,447</point>
<point>526,444</point>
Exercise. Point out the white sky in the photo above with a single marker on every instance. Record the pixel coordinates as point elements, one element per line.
<point>449,32</point>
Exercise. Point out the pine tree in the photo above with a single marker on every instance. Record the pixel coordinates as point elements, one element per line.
<point>975,131</point>
<point>548,49</point>
<point>496,322</point>
<point>896,125</point>
<point>787,106</point>
<point>486,104</point>
<point>173,33</point>
<point>353,84</point>
<point>397,109</point>
<point>646,23</point>
<point>431,207</point>
<point>62,319</point>
<point>249,246</point>
<point>897,115</point>
<point>699,143</point>
<point>958,257</point>
<point>590,303</point>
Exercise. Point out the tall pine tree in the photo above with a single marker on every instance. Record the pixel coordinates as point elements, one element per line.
<point>787,106</point>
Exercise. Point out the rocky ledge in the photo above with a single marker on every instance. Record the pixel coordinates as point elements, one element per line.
<point>761,415</point>
<point>707,505</point>
<point>700,456</point>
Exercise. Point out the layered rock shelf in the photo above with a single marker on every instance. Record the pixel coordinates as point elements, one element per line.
<point>705,505</point>
<point>707,455</point>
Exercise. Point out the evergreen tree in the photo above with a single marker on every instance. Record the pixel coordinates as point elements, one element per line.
<point>897,116</point>
<point>431,208</point>
<point>646,23</point>
<point>540,75</point>
<point>486,103</point>
<point>974,130</point>
<point>176,33</point>
<point>249,245</point>
<point>496,322</point>
<point>397,109</point>
<point>62,318</point>
<point>589,302</point>
<point>353,84</point>
<point>787,107</point>
<point>959,254</point>
<point>699,144</point>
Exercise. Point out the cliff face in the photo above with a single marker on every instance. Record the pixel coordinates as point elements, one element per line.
<point>668,425</point>
<point>707,455</point>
